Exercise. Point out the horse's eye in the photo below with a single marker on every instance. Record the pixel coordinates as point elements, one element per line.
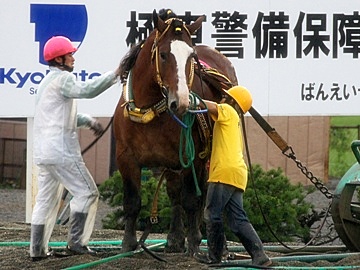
<point>163,56</point>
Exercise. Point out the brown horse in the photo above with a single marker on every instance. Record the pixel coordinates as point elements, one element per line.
<point>161,73</point>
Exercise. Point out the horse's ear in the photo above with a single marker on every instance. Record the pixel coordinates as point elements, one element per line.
<point>159,24</point>
<point>155,18</point>
<point>195,25</point>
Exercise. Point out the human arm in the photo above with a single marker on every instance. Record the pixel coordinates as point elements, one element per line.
<point>211,106</point>
<point>85,120</point>
<point>73,88</point>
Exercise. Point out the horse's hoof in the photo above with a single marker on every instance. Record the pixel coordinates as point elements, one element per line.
<point>175,249</point>
<point>192,251</point>
<point>127,248</point>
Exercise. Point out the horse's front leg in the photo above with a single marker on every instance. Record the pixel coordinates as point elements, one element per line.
<point>176,235</point>
<point>132,206</point>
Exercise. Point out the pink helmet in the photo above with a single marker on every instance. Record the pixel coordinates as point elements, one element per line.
<point>57,46</point>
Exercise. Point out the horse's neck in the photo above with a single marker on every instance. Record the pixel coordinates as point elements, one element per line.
<point>146,91</point>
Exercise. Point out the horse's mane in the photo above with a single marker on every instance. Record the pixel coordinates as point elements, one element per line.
<point>129,60</point>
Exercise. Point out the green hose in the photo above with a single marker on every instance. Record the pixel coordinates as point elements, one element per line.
<point>294,268</point>
<point>307,259</point>
<point>156,243</point>
<point>112,258</point>
<point>60,244</point>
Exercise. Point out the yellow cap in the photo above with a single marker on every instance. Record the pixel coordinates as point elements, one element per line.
<point>242,97</point>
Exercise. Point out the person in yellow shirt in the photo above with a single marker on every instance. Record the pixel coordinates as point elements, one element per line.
<point>228,179</point>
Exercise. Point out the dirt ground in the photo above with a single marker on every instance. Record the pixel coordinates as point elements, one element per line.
<point>15,234</point>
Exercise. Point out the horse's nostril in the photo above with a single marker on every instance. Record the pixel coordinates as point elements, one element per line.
<point>173,106</point>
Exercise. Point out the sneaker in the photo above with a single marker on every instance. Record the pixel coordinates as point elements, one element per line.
<point>79,250</point>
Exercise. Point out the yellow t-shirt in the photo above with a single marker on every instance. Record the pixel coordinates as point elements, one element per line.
<point>227,163</point>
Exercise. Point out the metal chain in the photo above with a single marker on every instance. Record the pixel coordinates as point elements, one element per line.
<point>318,184</point>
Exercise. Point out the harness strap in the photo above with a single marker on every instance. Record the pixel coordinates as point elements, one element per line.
<point>140,115</point>
<point>153,219</point>
<point>270,131</point>
<point>214,77</point>
<point>205,135</point>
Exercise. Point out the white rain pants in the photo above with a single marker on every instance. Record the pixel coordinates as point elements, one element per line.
<point>57,153</point>
<point>76,178</point>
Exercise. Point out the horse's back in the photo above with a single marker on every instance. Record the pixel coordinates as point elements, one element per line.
<point>218,61</point>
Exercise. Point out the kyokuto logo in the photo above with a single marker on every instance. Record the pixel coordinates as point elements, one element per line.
<point>54,20</point>
<point>50,20</point>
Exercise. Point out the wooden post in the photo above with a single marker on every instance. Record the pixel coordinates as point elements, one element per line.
<point>31,172</point>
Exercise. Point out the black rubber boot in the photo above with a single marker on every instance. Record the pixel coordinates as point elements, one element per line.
<point>38,251</point>
<point>215,242</point>
<point>253,245</point>
<point>77,224</point>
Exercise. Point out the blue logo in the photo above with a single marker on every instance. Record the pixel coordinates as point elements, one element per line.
<point>54,20</point>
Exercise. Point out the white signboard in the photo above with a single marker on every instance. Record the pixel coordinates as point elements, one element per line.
<point>296,57</point>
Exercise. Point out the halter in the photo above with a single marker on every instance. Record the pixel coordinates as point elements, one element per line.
<point>145,115</point>
<point>155,53</point>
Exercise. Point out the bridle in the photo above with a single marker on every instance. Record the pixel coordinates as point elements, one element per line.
<point>155,53</point>
<point>145,115</point>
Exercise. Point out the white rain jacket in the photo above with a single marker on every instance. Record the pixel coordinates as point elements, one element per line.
<point>55,137</point>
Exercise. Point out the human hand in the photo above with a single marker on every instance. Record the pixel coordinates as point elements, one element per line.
<point>194,101</point>
<point>121,74</point>
<point>118,72</point>
<point>96,127</point>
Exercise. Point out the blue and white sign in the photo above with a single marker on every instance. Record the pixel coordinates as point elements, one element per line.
<point>295,57</point>
<point>58,20</point>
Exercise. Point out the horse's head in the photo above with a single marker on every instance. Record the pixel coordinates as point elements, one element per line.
<point>173,59</point>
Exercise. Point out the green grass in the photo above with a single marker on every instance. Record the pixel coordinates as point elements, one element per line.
<point>341,157</point>
<point>340,121</point>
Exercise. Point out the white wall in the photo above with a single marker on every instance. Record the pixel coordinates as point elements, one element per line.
<point>276,83</point>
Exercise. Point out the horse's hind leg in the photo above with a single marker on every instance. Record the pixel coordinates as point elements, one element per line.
<point>193,207</point>
<point>132,205</point>
<point>176,235</point>
<point>182,193</point>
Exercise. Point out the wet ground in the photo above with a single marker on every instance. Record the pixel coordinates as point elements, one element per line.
<point>15,234</point>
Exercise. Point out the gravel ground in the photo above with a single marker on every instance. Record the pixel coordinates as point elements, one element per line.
<point>13,229</point>
<point>13,207</point>
<point>13,204</point>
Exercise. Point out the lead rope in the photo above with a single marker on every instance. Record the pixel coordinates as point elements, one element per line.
<point>186,138</point>
<point>187,142</point>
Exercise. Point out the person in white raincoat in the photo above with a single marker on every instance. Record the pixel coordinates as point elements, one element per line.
<point>57,151</point>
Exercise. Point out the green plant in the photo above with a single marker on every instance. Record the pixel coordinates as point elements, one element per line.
<point>282,203</point>
<point>344,129</point>
<point>341,157</point>
<point>111,191</point>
